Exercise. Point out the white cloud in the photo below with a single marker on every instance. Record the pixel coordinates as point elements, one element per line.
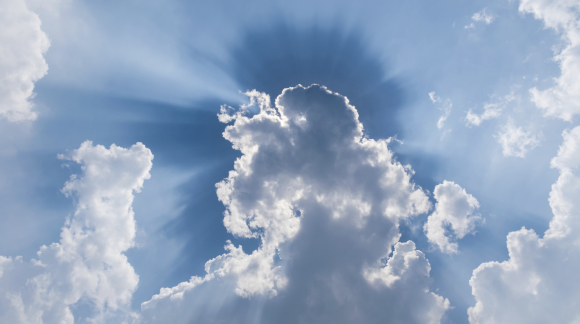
<point>515,141</point>
<point>325,202</point>
<point>22,45</point>
<point>483,16</point>
<point>563,99</point>
<point>445,107</point>
<point>434,98</point>
<point>540,283</point>
<point>88,265</point>
<point>491,110</point>
<point>454,209</point>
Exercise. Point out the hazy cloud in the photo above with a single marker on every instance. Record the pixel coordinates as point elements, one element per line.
<point>483,16</point>
<point>444,106</point>
<point>491,110</point>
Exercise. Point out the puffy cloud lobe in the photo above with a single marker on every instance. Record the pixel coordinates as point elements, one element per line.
<point>325,201</point>
<point>22,45</point>
<point>563,99</point>
<point>515,141</point>
<point>540,282</point>
<point>88,265</point>
<point>454,209</point>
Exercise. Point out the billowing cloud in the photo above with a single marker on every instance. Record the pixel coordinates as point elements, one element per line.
<point>87,268</point>
<point>515,141</point>
<point>454,210</point>
<point>22,45</point>
<point>563,99</point>
<point>325,202</point>
<point>540,282</point>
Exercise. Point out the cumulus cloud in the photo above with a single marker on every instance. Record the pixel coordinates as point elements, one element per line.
<point>453,216</point>
<point>491,110</point>
<point>22,45</point>
<point>515,141</point>
<point>325,202</point>
<point>445,107</point>
<point>540,282</point>
<point>563,99</point>
<point>87,268</point>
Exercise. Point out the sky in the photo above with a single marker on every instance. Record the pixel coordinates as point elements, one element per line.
<point>289,161</point>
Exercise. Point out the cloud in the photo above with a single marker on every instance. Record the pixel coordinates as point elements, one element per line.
<point>454,209</point>
<point>563,99</point>
<point>325,202</point>
<point>515,141</point>
<point>22,45</point>
<point>483,16</point>
<point>540,282</point>
<point>491,110</point>
<point>87,268</point>
<point>445,107</point>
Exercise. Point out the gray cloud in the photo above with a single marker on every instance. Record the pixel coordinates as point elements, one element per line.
<point>325,201</point>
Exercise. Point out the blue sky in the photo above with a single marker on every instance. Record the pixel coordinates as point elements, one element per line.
<point>369,161</point>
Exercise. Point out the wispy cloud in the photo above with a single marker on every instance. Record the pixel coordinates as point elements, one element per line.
<point>481,16</point>
<point>491,110</point>
<point>444,106</point>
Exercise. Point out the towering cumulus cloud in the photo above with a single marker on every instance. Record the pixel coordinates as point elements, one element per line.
<point>87,271</point>
<point>325,202</point>
<point>563,99</point>
<point>540,283</point>
<point>22,44</point>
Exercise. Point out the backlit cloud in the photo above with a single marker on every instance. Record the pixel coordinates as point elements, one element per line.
<point>325,202</point>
